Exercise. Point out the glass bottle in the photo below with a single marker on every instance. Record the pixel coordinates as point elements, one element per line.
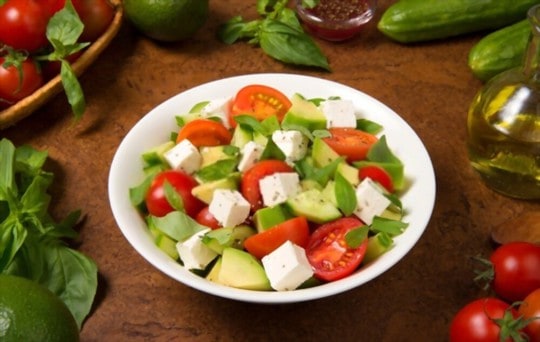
<point>504,125</point>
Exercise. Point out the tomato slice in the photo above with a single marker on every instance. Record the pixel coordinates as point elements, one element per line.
<point>206,218</point>
<point>350,142</point>
<point>249,185</point>
<point>259,101</point>
<point>157,203</point>
<point>204,132</point>
<point>377,174</point>
<point>328,252</point>
<point>295,230</point>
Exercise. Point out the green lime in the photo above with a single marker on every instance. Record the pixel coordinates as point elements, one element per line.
<point>30,312</point>
<point>167,20</point>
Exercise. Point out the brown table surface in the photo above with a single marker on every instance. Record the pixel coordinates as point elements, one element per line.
<point>429,85</point>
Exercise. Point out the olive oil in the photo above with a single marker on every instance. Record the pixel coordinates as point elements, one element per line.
<point>504,125</point>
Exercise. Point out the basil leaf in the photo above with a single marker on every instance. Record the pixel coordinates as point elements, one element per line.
<point>355,237</point>
<point>272,151</point>
<point>7,155</point>
<point>252,124</point>
<point>345,195</point>
<point>290,45</point>
<point>391,227</point>
<point>173,197</point>
<point>73,89</point>
<point>176,224</point>
<point>368,126</point>
<point>218,170</point>
<point>236,28</point>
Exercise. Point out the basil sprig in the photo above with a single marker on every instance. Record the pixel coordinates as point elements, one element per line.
<point>278,33</point>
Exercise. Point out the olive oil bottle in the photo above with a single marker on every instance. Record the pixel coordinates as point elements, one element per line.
<point>504,125</point>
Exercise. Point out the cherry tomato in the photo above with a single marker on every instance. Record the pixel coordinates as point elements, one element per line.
<point>377,174</point>
<point>157,203</point>
<point>295,230</point>
<point>249,185</point>
<point>475,322</point>
<point>530,309</point>
<point>206,218</point>
<point>350,142</point>
<point>204,132</point>
<point>24,24</point>
<point>12,87</point>
<point>516,267</point>
<point>96,15</point>
<point>328,252</point>
<point>259,101</point>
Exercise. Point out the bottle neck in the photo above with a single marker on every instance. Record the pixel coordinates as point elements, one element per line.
<point>531,65</point>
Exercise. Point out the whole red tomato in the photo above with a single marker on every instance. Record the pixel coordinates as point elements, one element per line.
<point>206,218</point>
<point>156,200</point>
<point>516,269</point>
<point>13,88</point>
<point>24,24</point>
<point>482,320</point>
<point>530,310</point>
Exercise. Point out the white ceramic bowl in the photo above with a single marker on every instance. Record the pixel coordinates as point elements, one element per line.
<point>155,127</point>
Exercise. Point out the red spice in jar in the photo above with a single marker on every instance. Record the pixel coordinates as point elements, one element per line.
<point>339,10</point>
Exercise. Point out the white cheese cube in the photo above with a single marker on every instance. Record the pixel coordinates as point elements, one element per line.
<point>370,201</point>
<point>218,108</point>
<point>339,113</point>
<point>292,143</point>
<point>287,267</point>
<point>229,207</point>
<point>184,156</point>
<point>278,187</point>
<point>194,253</point>
<point>251,152</point>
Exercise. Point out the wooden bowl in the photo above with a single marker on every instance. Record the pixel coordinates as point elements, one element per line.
<point>29,104</point>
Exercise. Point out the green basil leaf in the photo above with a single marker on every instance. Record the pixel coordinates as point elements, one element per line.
<point>368,126</point>
<point>218,170</point>
<point>177,225</point>
<point>174,198</point>
<point>236,28</point>
<point>137,194</point>
<point>272,151</point>
<point>12,236</point>
<point>302,129</point>
<point>290,45</point>
<point>7,156</point>
<point>73,89</point>
<point>64,28</point>
<point>345,195</point>
<point>309,3</point>
<point>251,123</point>
<point>391,227</point>
<point>355,237</point>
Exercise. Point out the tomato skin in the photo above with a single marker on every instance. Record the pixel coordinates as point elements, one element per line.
<point>475,321</point>
<point>516,267</point>
<point>157,203</point>
<point>328,253</point>
<point>295,230</point>
<point>96,15</point>
<point>259,101</point>
<point>204,132</point>
<point>206,218</point>
<point>377,174</point>
<point>12,88</point>
<point>249,185</point>
<point>530,309</point>
<point>24,24</point>
<point>350,142</point>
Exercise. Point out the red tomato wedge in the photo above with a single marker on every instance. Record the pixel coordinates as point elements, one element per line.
<point>295,230</point>
<point>249,185</point>
<point>350,142</point>
<point>206,218</point>
<point>328,252</point>
<point>204,132</point>
<point>377,174</point>
<point>259,101</point>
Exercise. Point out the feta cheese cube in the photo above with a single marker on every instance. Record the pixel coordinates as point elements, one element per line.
<point>251,152</point>
<point>292,143</point>
<point>229,207</point>
<point>370,201</point>
<point>218,108</point>
<point>194,253</point>
<point>287,267</point>
<point>184,156</point>
<point>339,113</point>
<point>278,187</point>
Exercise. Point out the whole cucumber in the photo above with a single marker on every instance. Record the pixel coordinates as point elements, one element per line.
<point>409,21</point>
<point>500,50</point>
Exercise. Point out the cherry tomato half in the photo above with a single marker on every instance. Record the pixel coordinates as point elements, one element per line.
<point>12,87</point>
<point>377,174</point>
<point>157,203</point>
<point>328,252</point>
<point>295,230</point>
<point>204,132</point>
<point>516,267</point>
<point>249,185</point>
<point>259,101</point>
<point>476,321</point>
<point>530,309</point>
<point>206,218</point>
<point>350,142</point>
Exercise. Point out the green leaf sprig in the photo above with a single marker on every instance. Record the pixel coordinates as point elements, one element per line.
<point>278,33</point>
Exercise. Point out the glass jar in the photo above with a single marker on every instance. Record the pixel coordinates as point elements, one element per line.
<point>504,125</point>
<point>336,20</point>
